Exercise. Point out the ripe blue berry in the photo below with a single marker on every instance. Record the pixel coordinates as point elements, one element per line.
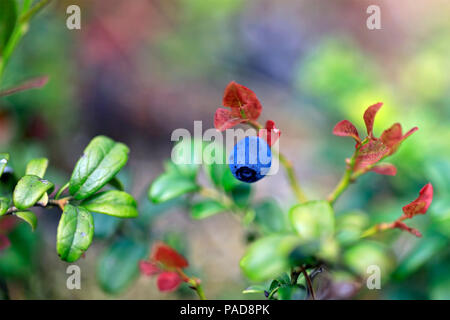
<point>250,159</point>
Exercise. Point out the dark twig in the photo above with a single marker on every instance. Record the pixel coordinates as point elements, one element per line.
<point>308,283</point>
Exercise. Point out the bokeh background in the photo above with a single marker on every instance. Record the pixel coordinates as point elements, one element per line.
<point>139,69</point>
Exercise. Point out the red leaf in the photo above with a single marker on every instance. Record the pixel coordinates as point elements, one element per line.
<point>369,154</point>
<point>393,137</point>
<point>167,256</point>
<point>224,119</point>
<point>270,133</point>
<point>168,281</point>
<point>4,242</point>
<point>242,100</point>
<point>34,83</point>
<point>421,204</point>
<point>346,129</point>
<point>148,268</point>
<point>386,169</point>
<point>403,226</point>
<point>369,117</point>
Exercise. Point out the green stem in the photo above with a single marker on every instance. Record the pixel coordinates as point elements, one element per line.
<point>200,292</point>
<point>349,176</point>
<point>381,227</point>
<point>273,292</point>
<point>194,283</point>
<point>292,178</point>
<point>293,182</point>
<point>30,13</point>
<point>370,232</point>
<point>341,186</point>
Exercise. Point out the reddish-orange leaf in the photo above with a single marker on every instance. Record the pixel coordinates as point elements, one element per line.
<point>167,256</point>
<point>148,268</point>
<point>253,110</point>
<point>168,281</point>
<point>386,169</point>
<point>421,204</point>
<point>403,226</point>
<point>236,95</point>
<point>224,119</point>
<point>270,133</point>
<point>242,99</point>
<point>393,137</point>
<point>369,117</point>
<point>345,128</point>
<point>369,154</point>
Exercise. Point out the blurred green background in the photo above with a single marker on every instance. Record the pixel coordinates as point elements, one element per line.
<point>139,69</point>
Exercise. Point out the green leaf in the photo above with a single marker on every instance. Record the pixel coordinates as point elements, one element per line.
<point>37,167</point>
<point>29,217</point>
<point>102,160</point>
<point>4,205</point>
<point>267,257</point>
<point>207,208</point>
<point>218,170</point>
<point>169,186</point>
<point>254,289</point>
<point>118,266</point>
<point>221,176</point>
<point>4,158</point>
<point>29,190</point>
<point>270,217</point>
<point>313,220</point>
<point>117,184</point>
<point>367,253</point>
<point>114,203</point>
<point>8,19</point>
<point>75,232</point>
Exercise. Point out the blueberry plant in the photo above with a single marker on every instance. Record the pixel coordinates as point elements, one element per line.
<point>288,250</point>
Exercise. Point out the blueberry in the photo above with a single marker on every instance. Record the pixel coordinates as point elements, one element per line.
<point>250,159</point>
